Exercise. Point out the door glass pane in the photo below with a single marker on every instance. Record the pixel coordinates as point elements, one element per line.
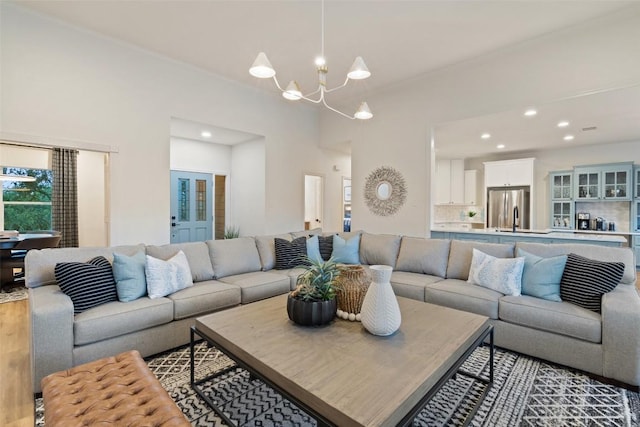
<point>566,193</point>
<point>201,200</point>
<point>183,199</point>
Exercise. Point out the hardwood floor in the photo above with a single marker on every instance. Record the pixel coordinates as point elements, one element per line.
<point>16,393</point>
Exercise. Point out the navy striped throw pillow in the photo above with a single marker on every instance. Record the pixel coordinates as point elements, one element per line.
<point>326,246</point>
<point>88,284</point>
<point>290,254</point>
<point>585,280</point>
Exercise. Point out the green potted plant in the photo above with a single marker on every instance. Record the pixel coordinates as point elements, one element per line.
<point>313,302</point>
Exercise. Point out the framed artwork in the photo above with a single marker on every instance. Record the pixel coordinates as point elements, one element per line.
<point>347,194</point>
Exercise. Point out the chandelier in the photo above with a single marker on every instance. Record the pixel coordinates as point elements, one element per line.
<point>263,69</point>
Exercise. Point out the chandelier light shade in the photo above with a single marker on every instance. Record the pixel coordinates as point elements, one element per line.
<point>292,92</point>
<point>359,70</point>
<point>263,69</point>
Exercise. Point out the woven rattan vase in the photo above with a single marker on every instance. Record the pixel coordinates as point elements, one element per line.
<point>352,285</point>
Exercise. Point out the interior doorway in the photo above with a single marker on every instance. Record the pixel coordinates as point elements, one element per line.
<point>219,209</point>
<point>191,206</point>
<point>313,201</point>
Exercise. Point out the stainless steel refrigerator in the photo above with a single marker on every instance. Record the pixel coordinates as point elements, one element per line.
<point>501,204</point>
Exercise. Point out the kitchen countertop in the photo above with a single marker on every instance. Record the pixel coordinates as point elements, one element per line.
<point>605,236</point>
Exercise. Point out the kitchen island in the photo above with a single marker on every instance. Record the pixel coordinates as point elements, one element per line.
<point>539,236</point>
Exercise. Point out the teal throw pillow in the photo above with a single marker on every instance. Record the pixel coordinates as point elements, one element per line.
<point>313,249</point>
<point>346,251</point>
<point>541,276</point>
<point>128,271</point>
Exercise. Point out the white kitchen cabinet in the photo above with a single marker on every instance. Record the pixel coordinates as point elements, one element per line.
<point>450,181</point>
<point>508,173</point>
<point>470,182</point>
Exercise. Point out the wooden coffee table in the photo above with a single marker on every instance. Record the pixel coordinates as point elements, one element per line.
<point>341,374</point>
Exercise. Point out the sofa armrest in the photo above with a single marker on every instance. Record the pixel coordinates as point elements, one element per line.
<point>51,314</point>
<point>621,334</point>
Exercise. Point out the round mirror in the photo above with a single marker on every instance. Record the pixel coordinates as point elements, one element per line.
<point>383,192</point>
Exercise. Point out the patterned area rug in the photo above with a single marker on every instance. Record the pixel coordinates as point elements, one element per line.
<point>15,294</point>
<point>526,392</point>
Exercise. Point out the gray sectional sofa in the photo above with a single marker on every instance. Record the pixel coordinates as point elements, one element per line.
<point>239,271</point>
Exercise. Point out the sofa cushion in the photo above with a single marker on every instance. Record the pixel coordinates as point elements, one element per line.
<point>597,252</point>
<point>464,296</point>
<point>500,274</point>
<point>167,277</point>
<point>120,318</point>
<point>428,256</point>
<point>259,285</point>
<point>290,254</point>
<point>541,276</point>
<point>346,251</point>
<point>197,255</point>
<point>411,285</point>
<point>234,256</point>
<point>293,275</point>
<point>461,253</point>
<point>585,280</point>
<point>267,249</point>
<point>40,263</point>
<point>204,297</point>
<point>379,249</point>
<point>306,233</point>
<point>128,271</point>
<point>557,317</point>
<point>88,284</point>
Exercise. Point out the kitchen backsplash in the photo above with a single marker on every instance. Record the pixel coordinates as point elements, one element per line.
<point>453,213</point>
<point>617,212</point>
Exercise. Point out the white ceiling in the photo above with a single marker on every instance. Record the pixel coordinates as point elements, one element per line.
<point>399,40</point>
<point>188,129</point>
<point>606,117</point>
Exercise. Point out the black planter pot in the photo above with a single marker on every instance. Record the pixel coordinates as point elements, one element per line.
<point>307,313</point>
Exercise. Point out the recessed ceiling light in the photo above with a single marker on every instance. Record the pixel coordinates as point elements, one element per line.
<point>530,112</point>
<point>563,124</point>
<point>568,137</point>
<point>206,134</point>
<point>500,146</point>
<point>485,135</point>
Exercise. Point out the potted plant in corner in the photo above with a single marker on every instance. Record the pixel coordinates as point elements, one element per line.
<point>313,302</point>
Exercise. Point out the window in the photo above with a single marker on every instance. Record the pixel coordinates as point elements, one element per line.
<point>27,205</point>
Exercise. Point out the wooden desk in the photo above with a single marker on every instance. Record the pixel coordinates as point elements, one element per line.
<point>24,242</point>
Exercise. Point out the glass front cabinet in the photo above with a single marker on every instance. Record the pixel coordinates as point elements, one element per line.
<point>604,182</point>
<point>562,206</point>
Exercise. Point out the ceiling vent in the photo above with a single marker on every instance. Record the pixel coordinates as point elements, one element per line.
<point>589,128</point>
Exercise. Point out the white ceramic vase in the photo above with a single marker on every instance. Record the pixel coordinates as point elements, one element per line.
<point>380,314</point>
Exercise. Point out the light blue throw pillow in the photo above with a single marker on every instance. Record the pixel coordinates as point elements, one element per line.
<point>346,251</point>
<point>313,249</point>
<point>128,271</point>
<point>541,276</point>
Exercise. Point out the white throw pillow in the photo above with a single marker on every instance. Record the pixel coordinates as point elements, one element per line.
<point>503,275</point>
<point>167,277</point>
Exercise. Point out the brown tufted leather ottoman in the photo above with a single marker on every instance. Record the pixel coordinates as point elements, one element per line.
<point>114,391</point>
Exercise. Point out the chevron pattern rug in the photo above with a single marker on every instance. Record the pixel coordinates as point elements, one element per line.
<point>526,392</point>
